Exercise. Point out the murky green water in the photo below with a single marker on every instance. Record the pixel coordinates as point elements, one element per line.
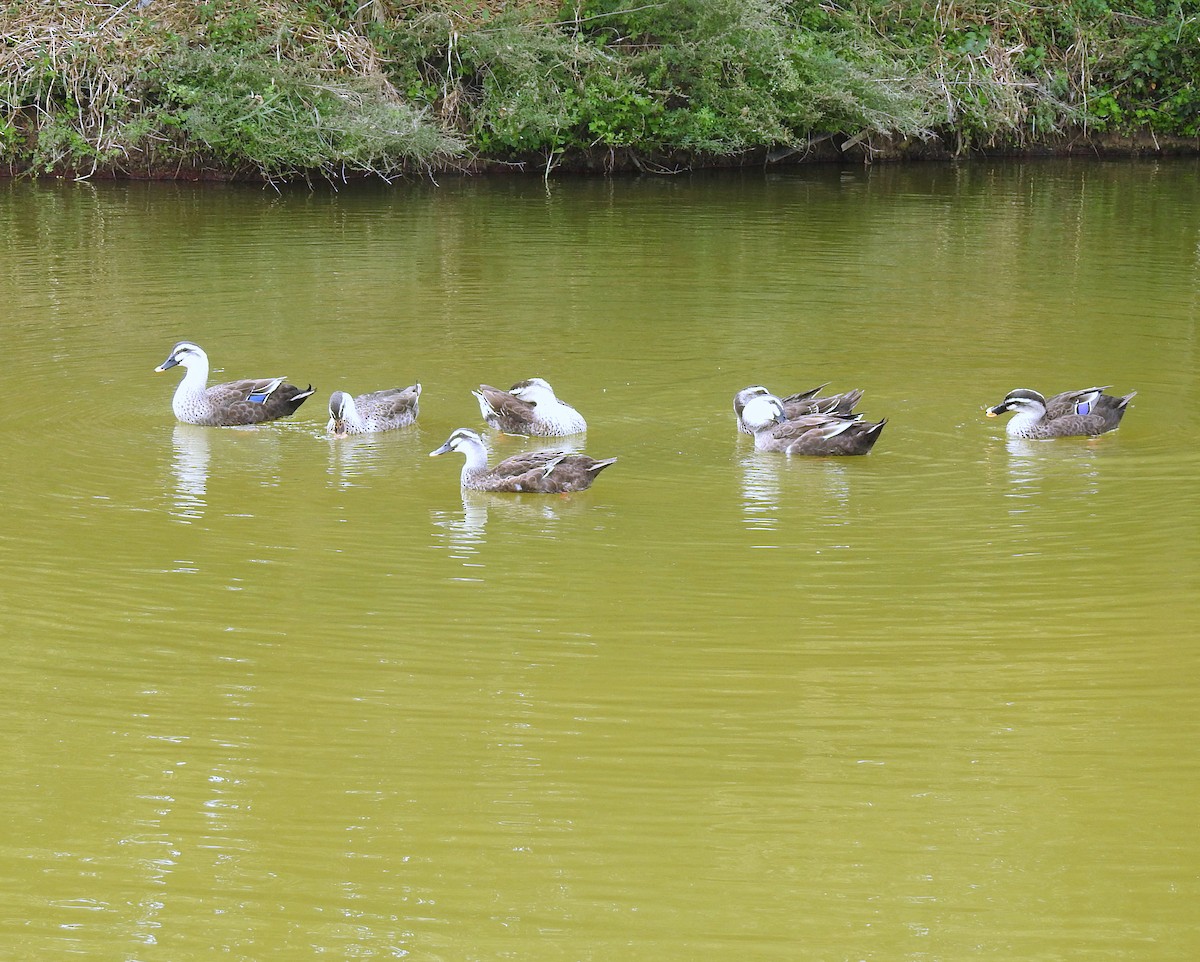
<point>270,696</point>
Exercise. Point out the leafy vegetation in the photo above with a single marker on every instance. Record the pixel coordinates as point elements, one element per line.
<point>286,88</point>
<point>224,86</point>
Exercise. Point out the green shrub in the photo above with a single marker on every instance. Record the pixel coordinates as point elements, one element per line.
<point>280,119</point>
<point>705,76</point>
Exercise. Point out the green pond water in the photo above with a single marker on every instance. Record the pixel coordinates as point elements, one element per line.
<point>269,695</point>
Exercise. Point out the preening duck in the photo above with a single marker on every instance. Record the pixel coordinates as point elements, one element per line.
<point>543,472</point>
<point>1071,414</point>
<point>385,410</point>
<point>528,407</point>
<point>810,434</point>
<point>231,403</point>
<point>798,405</point>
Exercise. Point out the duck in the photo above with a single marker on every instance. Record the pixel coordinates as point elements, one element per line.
<point>799,404</point>
<point>529,407</point>
<point>810,434</point>
<point>229,404</point>
<point>541,472</point>
<point>1083,413</point>
<point>384,410</point>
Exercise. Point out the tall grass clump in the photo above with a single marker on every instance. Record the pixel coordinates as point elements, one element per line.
<point>1007,72</point>
<point>239,87</point>
<point>702,77</point>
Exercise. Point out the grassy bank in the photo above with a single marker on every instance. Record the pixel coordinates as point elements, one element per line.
<point>275,89</point>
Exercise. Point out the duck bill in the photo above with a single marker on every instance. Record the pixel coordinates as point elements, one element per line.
<point>339,429</point>
<point>442,450</point>
<point>995,411</point>
<point>166,365</point>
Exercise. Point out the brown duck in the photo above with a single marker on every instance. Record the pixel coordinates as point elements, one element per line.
<point>541,472</point>
<point>798,405</point>
<point>530,408</point>
<point>231,403</point>
<point>378,411</point>
<point>821,435</point>
<point>1071,414</point>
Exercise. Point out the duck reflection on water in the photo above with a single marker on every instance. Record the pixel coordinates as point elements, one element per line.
<point>354,458</point>
<point>464,533</point>
<point>245,450</point>
<point>1072,469</point>
<point>766,479</point>
<point>190,457</point>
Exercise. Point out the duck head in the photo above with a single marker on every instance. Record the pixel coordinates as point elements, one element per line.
<point>745,394</point>
<point>1021,401</point>
<point>533,390</point>
<point>341,411</point>
<point>463,439</point>
<point>762,411</point>
<point>185,353</point>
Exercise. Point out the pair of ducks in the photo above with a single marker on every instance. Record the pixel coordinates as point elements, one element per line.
<point>805,423</point>
<point>808,424</point>
<point>530,407</point>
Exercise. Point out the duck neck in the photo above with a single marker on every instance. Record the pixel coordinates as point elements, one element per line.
<point>193,384</point>
<point>762,437</point>
<point>476,464</point>
<point>1023,423</point>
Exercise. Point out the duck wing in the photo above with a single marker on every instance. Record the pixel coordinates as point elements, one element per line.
<point>781,436</point>
<point>1112,406</point>
<point>503,410</point>
<point>833,439</point>
<point>546,472</point>
<point>253,401</point>
<point>798,405</point>
<point>799,426</point>
<point>1073,402</point>
<point>392,403</point>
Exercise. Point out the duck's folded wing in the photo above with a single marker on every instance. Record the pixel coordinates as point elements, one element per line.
<point>798,427</point>
<point>252,390</point>
<point>1073,402</point>
<point>505,406</point>
<point>251,401</point>
<point>392,402</point>
<point>848,437</point>
<point>524,463</point>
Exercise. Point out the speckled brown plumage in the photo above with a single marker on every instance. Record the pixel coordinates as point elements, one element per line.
<point>1083,413</point>
<point>820,435</point>
<point>538,472</point>
<point>385,410</point>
